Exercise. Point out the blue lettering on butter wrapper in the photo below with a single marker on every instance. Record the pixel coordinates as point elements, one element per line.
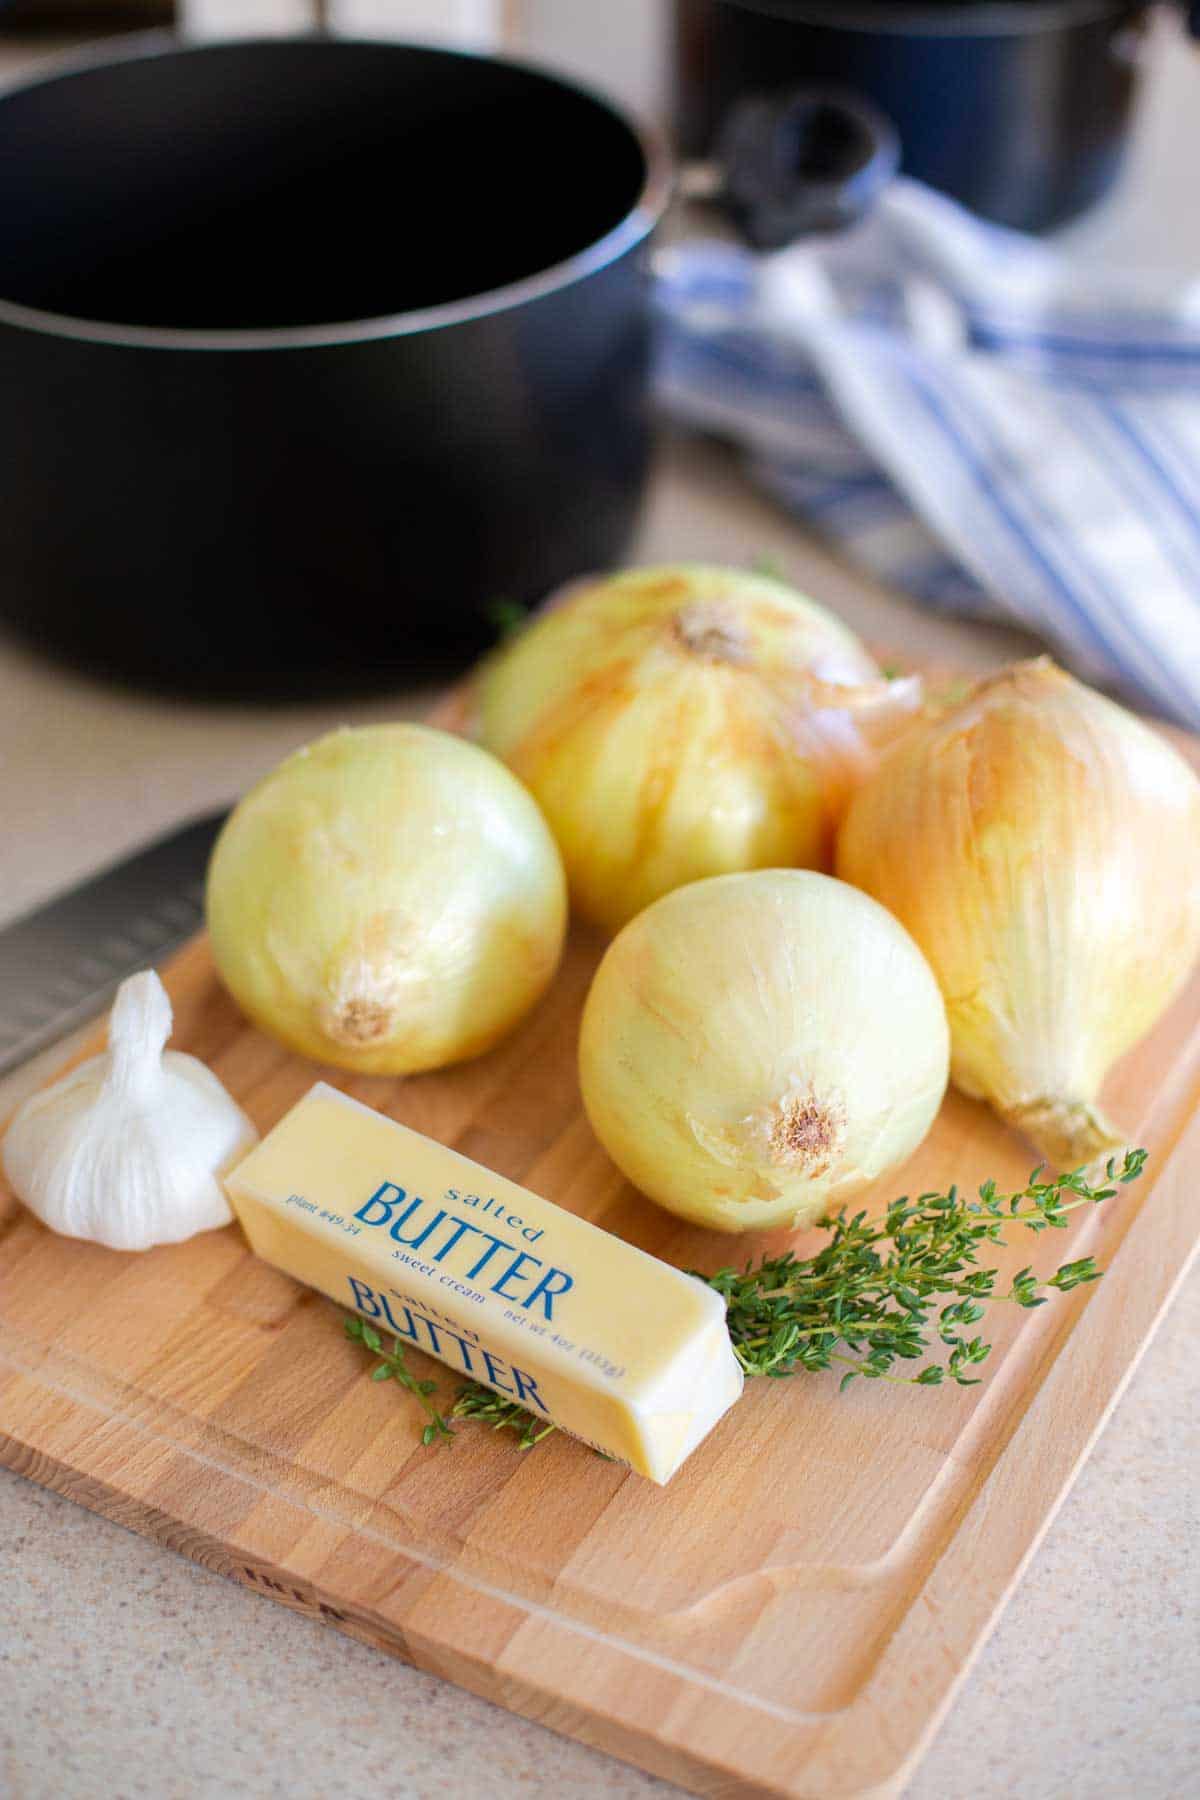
<point>405,1319</point>
<point>418,1224</point>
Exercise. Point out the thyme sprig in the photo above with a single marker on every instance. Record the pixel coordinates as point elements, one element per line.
<point>879,1292</point>
<point>478,1402</point>
<point>507,618</point>
<point>393,1367</point>
<point>884,1291</point>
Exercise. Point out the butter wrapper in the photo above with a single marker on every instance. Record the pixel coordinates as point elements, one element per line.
<point>582,1329</point>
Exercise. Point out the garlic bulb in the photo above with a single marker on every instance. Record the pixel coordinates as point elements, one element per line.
<point>128,1148</point>
<point>389,899</point>
<point>758,1047</point>
<point>1043,848</point>
<point>675,723</point>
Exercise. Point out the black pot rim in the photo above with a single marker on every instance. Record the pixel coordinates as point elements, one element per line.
<point>628,232</point>
<point>994,18</point>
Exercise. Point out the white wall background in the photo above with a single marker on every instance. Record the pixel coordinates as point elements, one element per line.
<point>475,23</point>
<point>616,45</point>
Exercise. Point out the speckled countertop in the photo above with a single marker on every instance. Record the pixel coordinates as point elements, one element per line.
<point>126,1672</point>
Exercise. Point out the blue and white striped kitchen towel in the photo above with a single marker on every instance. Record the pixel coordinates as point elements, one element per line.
<point>938,397</point>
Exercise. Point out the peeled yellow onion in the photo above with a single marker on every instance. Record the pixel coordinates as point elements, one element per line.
<point>680,722</point>
<point>757,1048</point>
<point>1043,847</point>
<point>389,899</point>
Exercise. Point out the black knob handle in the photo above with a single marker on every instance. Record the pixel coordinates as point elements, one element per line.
<point>810,160</point>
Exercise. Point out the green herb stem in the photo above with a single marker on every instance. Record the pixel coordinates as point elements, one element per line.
<point>393,1367</point>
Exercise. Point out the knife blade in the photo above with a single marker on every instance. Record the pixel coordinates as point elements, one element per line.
<point>60,964</point>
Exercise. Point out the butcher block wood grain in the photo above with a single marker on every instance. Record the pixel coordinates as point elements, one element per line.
<point>791,1616</point>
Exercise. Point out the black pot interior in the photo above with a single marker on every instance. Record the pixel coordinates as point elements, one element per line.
<point>286,183</point>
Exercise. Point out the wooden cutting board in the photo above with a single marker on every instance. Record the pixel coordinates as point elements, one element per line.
<point>791,1616</point>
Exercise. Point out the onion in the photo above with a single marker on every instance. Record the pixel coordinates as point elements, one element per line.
<point>675,723</point>
<point>1043,847</point>
<point>756,1048</point>
<point>389,899</point>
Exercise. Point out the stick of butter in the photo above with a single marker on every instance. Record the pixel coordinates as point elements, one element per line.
<point>580,1327</point>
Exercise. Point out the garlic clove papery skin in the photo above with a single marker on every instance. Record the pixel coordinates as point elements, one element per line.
<point>128,1149</point>
<point>757,1048</point>
<point>1042,846</point>
<point>680,722</point>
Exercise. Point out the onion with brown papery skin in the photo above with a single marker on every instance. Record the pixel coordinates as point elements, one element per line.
<point>1042,846</point>
<point>680,722</point>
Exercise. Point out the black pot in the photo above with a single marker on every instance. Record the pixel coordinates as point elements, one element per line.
<point>310,352</point>
<point>1019,109</point>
